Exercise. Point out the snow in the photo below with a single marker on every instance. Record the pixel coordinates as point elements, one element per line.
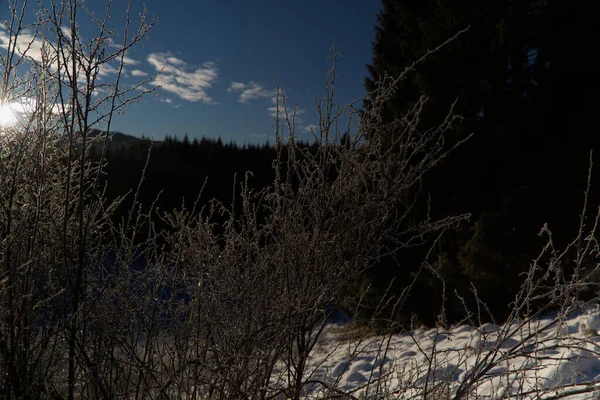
<point>551,357</point>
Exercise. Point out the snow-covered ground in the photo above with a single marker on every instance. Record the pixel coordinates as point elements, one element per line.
<point>541,359</point>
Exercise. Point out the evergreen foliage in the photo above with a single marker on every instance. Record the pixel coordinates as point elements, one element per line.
<point>520,82</point>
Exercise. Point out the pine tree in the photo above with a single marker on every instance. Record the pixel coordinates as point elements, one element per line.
<point>520,83</point>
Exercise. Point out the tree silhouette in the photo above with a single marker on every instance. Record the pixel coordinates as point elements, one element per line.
<point>522,88</point>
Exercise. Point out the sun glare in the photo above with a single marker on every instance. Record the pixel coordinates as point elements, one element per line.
<point>7,115</point>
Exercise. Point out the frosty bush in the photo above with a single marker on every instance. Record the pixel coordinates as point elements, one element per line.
<point>218,308</point>
<point>231,300</point>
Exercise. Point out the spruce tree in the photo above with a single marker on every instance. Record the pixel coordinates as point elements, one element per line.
<point>521,84</point>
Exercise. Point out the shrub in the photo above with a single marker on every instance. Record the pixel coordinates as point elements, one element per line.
<point>232,300</point>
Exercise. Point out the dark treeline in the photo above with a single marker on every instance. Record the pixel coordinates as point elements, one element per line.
<point>523,84</point>
<point>178,170</point>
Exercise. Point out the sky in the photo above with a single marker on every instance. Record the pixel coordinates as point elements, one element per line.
<point>219,59</point>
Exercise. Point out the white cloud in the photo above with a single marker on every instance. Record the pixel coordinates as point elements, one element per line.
<point>137,72</point>
<point>250,91</point>
<point>111,43</point>
<point>168,101</point>
<point>130,61</point>
<point>235,86</point>
<point>311,128</point>
<point>27,44</point>
<point>179,78</point>
<point>107,69</point>
<point>33,47</point>
<point>254,91</point>
<point>66,31</point>
<point>299,112</point>
<point>175,61</point>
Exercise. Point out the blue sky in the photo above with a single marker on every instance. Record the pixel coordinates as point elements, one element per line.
<point>220,58</point>
<point>243,44</point>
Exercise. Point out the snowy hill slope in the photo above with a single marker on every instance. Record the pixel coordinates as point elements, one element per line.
<point>547,358</point>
